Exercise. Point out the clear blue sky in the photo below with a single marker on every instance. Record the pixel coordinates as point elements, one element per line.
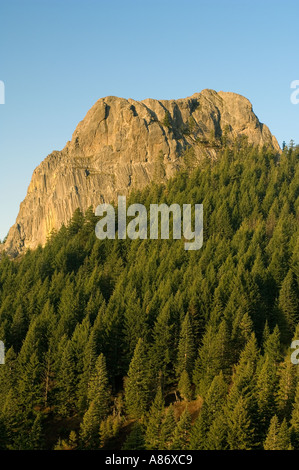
<point>57,57</point>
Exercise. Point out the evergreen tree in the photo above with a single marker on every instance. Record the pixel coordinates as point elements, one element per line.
<point>285,395</point>
<point>265,393</point>
<point>239,427</point>
<point>243,378</point>
<point>212,357</point>
<point>184,386</point>
<point>135,440</point>
<point>167,429</point>
<point>216,438</point>
<point>278,437</point>
<point>35,435</point>
<point>167,119</point>
<point>295,420</point>
<point>272,346</point>
<point>211,408</point>
<point>138,383</point>
<point>182,432</point>
<point>99,397</point>
<point>154,422</point>
<point>161,350</point>
<point>66,380</point>
<point>288,301</point>
<point>186,350</point>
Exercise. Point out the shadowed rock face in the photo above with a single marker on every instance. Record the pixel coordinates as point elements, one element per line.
<point>123,144</point>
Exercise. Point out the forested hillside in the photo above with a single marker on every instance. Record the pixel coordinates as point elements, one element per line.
<point>122,344</point>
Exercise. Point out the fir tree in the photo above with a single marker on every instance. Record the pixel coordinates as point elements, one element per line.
<point>154,422</point>
<point>278,437</point>
<point>288,301</point>
<point>99,397</point>
<point>239,427</point>
<point>167,429</point>
<point>138,383</point>
<point>216,437</point>
<point>184,386</point>
<point>186,350</point>
<point>182,432</point>
<point>135,440</point>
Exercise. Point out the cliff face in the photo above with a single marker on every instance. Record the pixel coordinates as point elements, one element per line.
<point>123,144</point>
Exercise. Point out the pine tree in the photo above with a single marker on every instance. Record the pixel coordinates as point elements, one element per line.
<point>138,383</point>
<point>167,429</point>
<point>184,386</point>
<point>216,438</point>
<point>186,350</point>
<point>66,379</point>
<point>72,440</point>
<point>288,301</point>
<point>211,408</point>
<point>89,360</point>
<point>98,387</point>
<point>278,437</point>
<point>182,432</point>
<point>154,422</point>
<point>90,427</point>
<point>134,323</point>
<point>295,420</point>
<point>243,379</point>
<point>272,346</point>
<point>285,395</point>
<point>199,430</point>
<point>99,397</point>
<point>239,427</point>
<point>167,119</point>
<point>212,357</point>
<point>161,350</point>
<point>135,440</point>
<point>35,435</point>
<point>265,393</point>
<point>29,386</point>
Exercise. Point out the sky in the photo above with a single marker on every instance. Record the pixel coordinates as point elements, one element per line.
<point>58,57</point>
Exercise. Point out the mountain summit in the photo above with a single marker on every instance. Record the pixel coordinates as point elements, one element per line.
<point>123,144</point>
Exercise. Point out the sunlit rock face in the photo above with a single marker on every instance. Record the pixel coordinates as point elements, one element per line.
<point>123,144</point>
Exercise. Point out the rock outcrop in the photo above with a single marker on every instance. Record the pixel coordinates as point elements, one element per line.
<point>123,144</point>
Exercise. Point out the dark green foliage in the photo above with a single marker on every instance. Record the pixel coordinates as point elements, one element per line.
<point>278,437</point>
<point>138,384</point>
<point>85,321</point>
<point>181,434</point>
<point>186,349</point>
<point>167,119</point>
<point>135,440</point>
<point>239,427</point>
<point>98,395</point>
<point>154,422</point>
<point>167,429</point>
<point>184,386</point>
<point>204,433</point>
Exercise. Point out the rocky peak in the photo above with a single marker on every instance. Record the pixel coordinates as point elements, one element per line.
<point>123,144</point>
